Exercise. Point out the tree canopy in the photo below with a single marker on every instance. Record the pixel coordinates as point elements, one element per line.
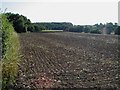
<point>117,31</point>
<point>23,24</point>
<point>20,22</point>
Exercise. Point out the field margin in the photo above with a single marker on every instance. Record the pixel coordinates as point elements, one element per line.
<point>10,54</point>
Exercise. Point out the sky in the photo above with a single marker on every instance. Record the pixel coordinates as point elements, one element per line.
<point>87,12</point>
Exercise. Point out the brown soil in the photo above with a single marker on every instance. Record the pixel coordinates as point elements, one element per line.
<point>68,60</point>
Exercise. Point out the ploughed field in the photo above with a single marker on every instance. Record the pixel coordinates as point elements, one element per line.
<point>68,60</point>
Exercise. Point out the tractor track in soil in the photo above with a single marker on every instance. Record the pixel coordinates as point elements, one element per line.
<point>68,60</point>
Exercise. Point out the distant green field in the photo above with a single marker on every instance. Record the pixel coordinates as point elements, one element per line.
<point>52,31</point>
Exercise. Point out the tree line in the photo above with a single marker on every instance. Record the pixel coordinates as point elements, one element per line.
<point>22,24</point>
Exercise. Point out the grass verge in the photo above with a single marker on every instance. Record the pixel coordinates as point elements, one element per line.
<point>10,54</point>
<point>51,31</point>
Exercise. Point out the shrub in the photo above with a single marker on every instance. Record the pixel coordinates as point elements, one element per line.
<point>10,52</point>
<point>117,31</point>
<point>95,32</point>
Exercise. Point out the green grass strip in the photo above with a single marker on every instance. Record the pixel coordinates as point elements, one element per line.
<point>10,51</point>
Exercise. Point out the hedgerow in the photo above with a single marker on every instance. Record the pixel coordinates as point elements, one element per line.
<point>10,54</point>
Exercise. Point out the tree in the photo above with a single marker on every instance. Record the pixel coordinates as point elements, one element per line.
<point>95,32</point>
<point>101,26</point>
<point>109,27</point>
<point>54,25</point>
<point>117,31</point>
<point>20,22</point>
<point>30,28</point>
<point>39,27</point>
<point>86,29</point>
<point>76,28</point>
<point>115,26</point>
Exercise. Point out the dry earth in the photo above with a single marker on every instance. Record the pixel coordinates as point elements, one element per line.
<point>68,60</point>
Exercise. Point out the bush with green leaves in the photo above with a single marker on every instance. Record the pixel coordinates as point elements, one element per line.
<point>20,22</point>
<point>117,31</point>
<point>10,52</point>
<point>95,32</point>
